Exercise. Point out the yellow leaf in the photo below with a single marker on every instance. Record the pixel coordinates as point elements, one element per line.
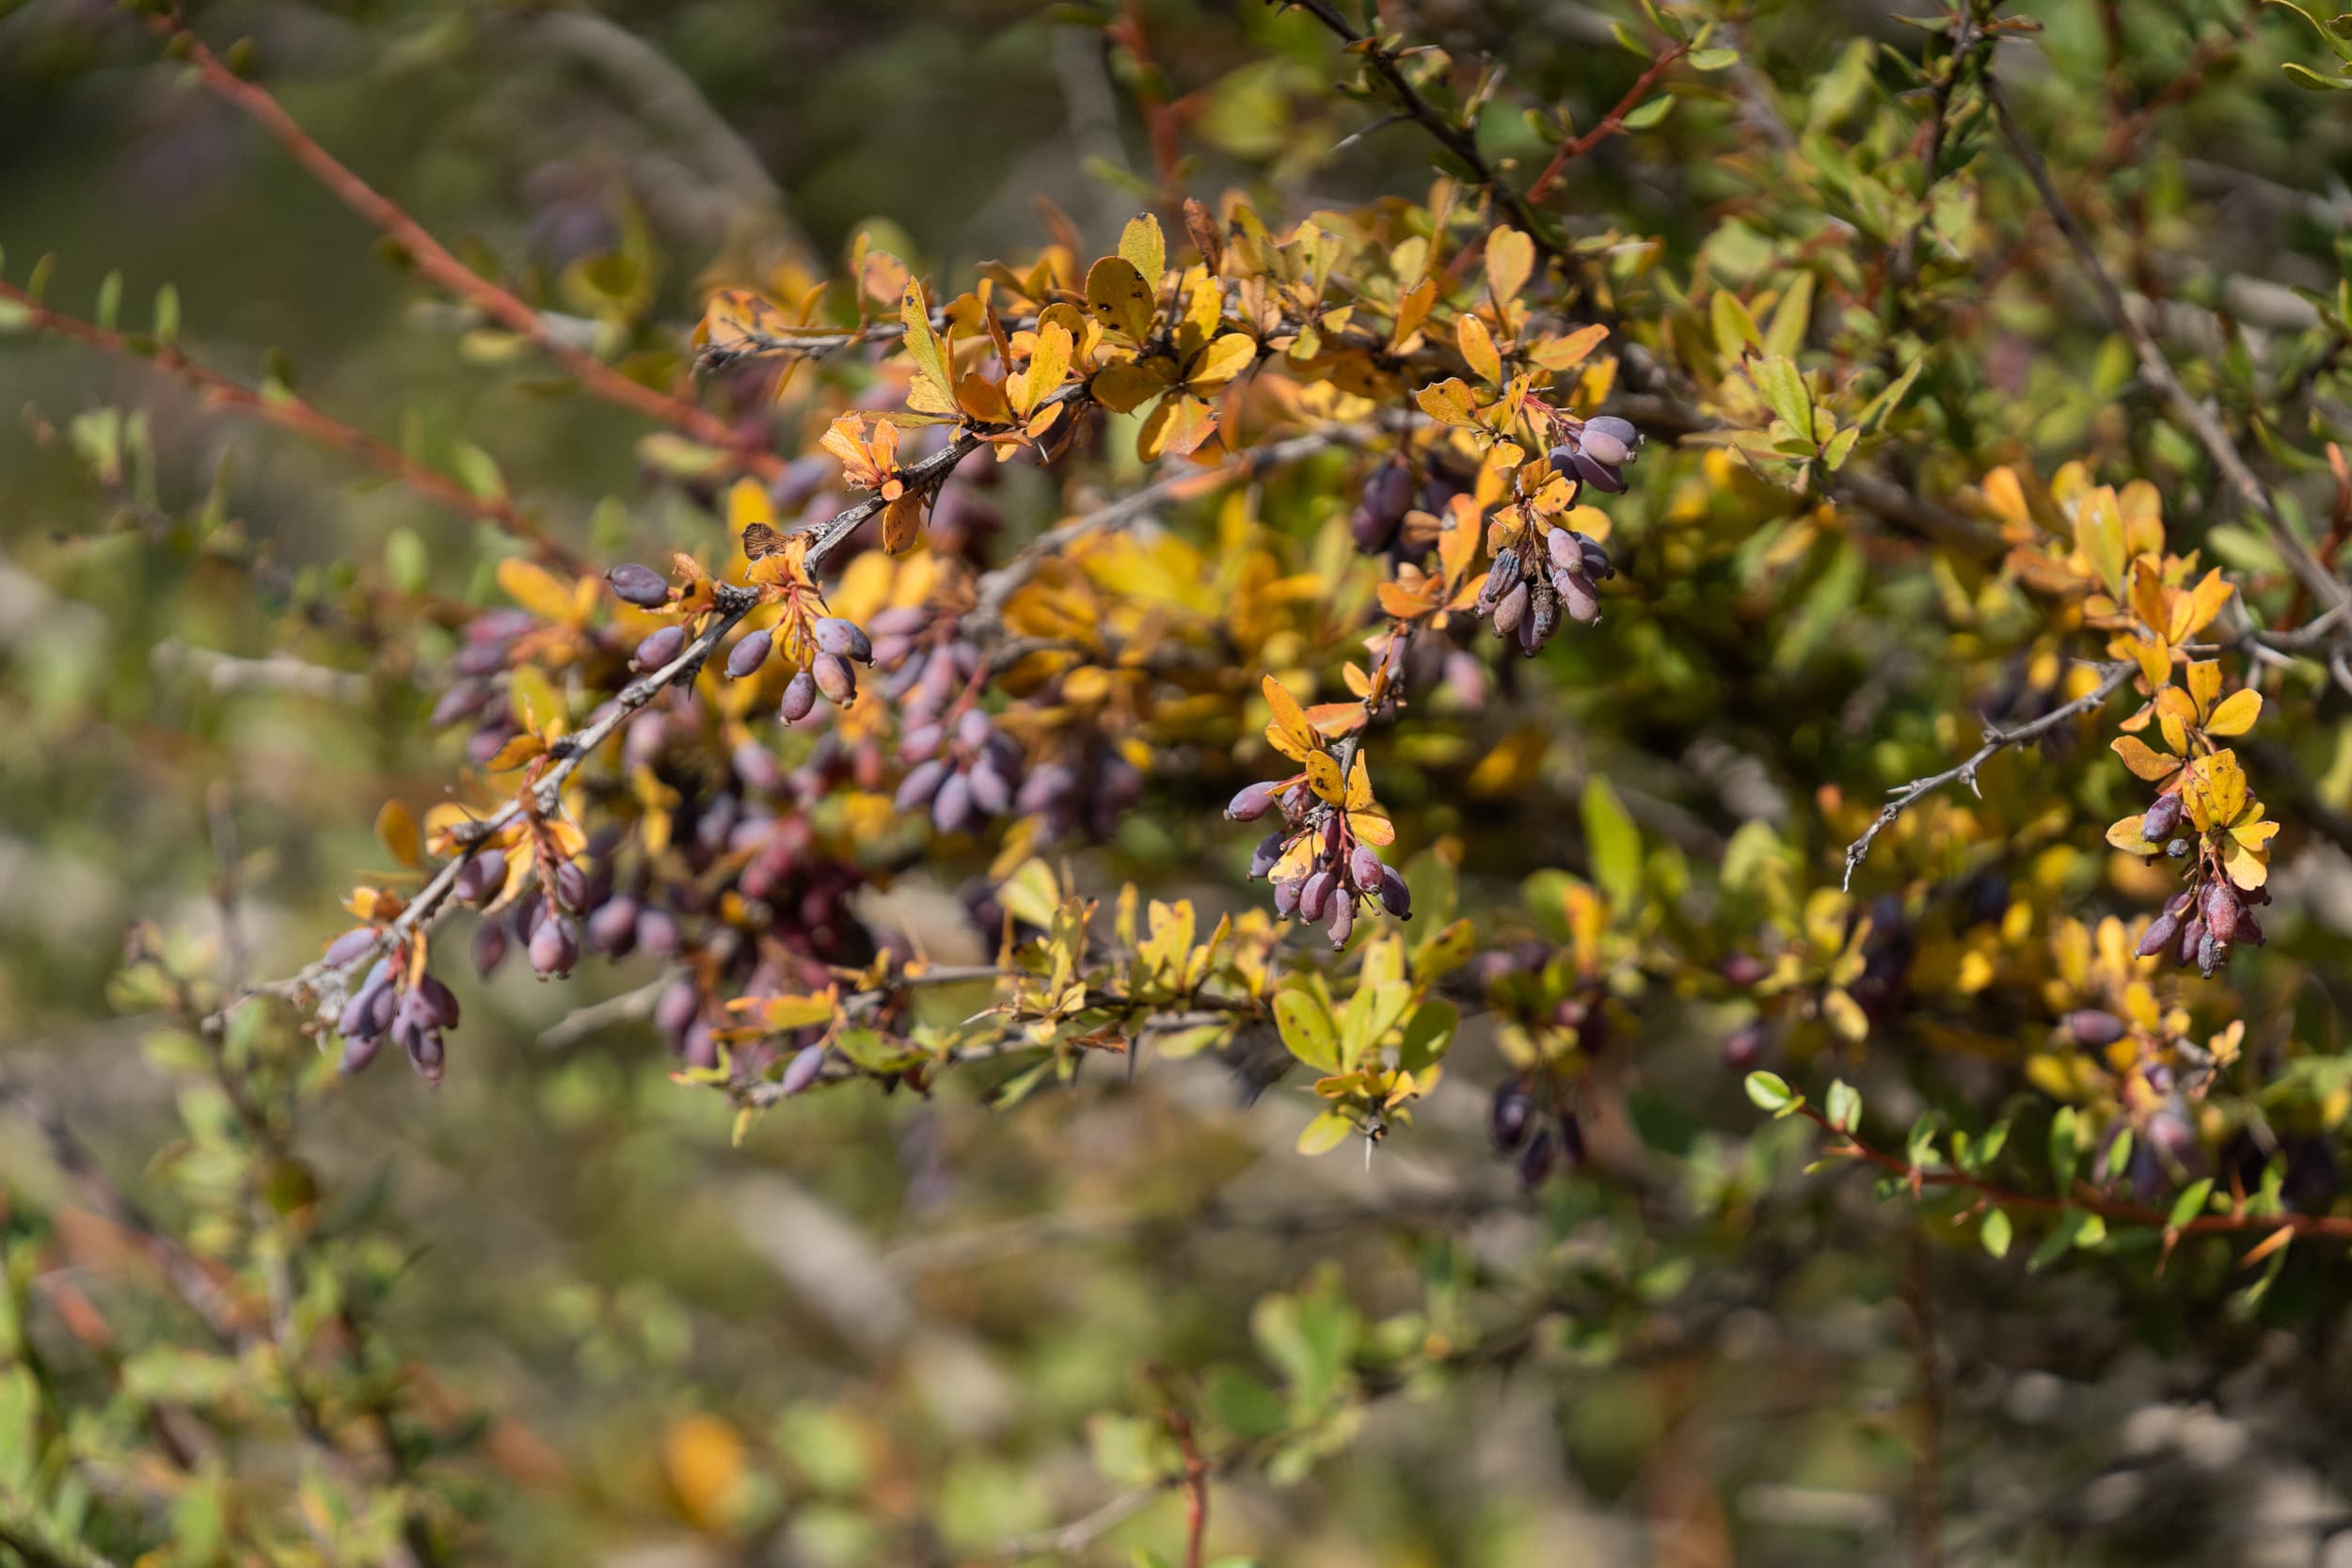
<point>1290,733</point>
<point>902,522</point>
<point>2193,612</point>
<point>2126,835</point>
<point>1049,364</point>
<point>537,588</point>
<point>398,831</point>
<point>704,1460</point>
<point>515,754</point>
<point>1412,310</point>
<point>1372,827</point>
<point>1120,297</point>
<point>2142,759</point>
<point>2204,683</point>
<point>923,344</point>
<point>1510,262</point>
<point>1323,776</point>
<point>1222,360</point>
<point>2236,715</point>
<point>2244,865</point>
<point>1561,353</point>
<point>1359,785</point>
<point>1448,402</point>
<point>1178,424</point>
<point>1128,385</point>
<point>1144,247</point>
<point>1478,349</point>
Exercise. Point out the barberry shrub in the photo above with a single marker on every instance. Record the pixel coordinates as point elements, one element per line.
<point>1693,651</point>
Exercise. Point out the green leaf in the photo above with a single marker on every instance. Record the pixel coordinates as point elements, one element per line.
<point>2064,1146</point>
<point>1771,1092</point>
<point>109,301</point>
<point>1308,1030</point>
<point>1613,843</point>
<point>167,313</point>
<point>1713,59</point>
<point>2190,1203</point>
<point>1428,1035</point>
<point>1840,446</point>
<point>1876,410</point>
<point>1649,114</point>
<point>2305,77</point>
<point>478,471</point>
<point>1735,328</point>
<point>1783,385</point>
<point>1995,1232</point>
<point>1843,1105</point>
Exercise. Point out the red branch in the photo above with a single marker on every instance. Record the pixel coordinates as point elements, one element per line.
<point>1610,125</point>
<point>434,260</point>
<point>2239,1219</point>
<point>289,412</point>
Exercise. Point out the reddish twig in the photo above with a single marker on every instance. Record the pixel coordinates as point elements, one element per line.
<point>289,412</point>
<point>2238,1221</point>
<point>1159,116</point>
<point>436,262</point>
<point>1611,123</point>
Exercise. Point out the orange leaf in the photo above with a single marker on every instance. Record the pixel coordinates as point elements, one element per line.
<point>398,830</point>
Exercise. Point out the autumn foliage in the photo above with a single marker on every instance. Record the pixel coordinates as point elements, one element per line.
<point>1562,664</point>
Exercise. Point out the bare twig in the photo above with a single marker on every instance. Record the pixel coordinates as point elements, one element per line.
<point>437,263</point>
<point>288,411</point>
<point>1995,740</point>
<point>2201,421</point>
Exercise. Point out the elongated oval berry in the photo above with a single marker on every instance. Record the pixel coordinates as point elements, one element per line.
<point>1543,619</point>
<point>1314,898</point>
<point>1608,441</point>
<point>613,930</point>
<point>1394,895</point>
<point>440,1000</point>
<point>428,1055</point>
<point>639,585</point>
<point>1510,609</point>
<point>799,698</point>
<point>554,948</point>
<point>659,649</point>
<point>834,678</point>
<point>749,654</point>
<point>1560,544</point>
<point>489,947</point>
<point>358,1052</point>
<point>921,783</point>
<point>1286,897</point>
<point>1577,596</point>
<point>350,946</point>
<point>1536,1160</point>
<point>1364,868</point>
<point>1342,919</point>
<point>2192,939</point>
<point>2162,818</point>
<point>991,794</point>
<point>804,1069</point>
<point>2219,906</point>
<point>842,639</point>
<point>480,878</point>
<point>1253,801</point>
<point>972,729</point>
<point>2249,932</point>
<point>2094,1026</point>
<point>1596,562</point>
<point>1510,1114</point>
<point>1599,475</point>
<point>951,808</point>
<point>2160,934</point>
<point>1266,855</point>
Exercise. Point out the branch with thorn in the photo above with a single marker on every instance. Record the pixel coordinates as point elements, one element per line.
<point>1996,741</point>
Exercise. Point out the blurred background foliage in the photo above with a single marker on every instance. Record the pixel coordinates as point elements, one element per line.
<point>904,1330</point>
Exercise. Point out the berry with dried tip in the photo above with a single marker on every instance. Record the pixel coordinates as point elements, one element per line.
<point>834,678</point>
<point>554,948</point>
<point>1253,801</point>
<point>799,698</point>
<point>639,585</point>
<point>842,639</point>
<point>2162,818</point>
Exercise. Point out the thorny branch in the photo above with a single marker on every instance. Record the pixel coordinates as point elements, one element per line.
<point>2201,421</point>
<point>290,412</point>
<point>1995,740</point>
<point>436,262</point>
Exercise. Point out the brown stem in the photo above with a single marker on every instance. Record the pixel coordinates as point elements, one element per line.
<point>1611,123</point>
<point>434,260</point>
<point>290,412</point>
